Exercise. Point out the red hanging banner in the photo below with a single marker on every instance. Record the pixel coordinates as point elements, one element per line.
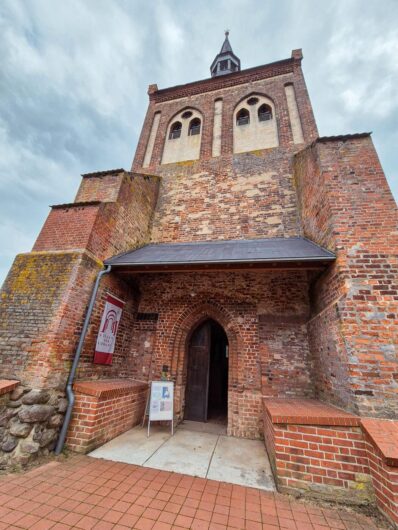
<point>107,333</point>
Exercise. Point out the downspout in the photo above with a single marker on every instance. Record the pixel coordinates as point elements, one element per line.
<point>69,391</point>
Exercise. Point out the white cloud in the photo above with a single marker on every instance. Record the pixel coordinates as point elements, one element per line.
<point>364,70</point>
<point>74,75</point>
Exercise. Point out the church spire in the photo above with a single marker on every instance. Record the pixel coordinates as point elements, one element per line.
<point>226,61</point>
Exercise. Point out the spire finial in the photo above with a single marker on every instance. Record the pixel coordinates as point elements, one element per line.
<point>226,32</point>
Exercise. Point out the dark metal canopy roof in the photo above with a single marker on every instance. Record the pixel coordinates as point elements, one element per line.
<point>292,252</point>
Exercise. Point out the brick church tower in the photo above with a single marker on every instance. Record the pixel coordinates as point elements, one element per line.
<point>257,265</point>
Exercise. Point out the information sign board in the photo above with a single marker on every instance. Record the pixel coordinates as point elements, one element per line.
<point>161,402</point>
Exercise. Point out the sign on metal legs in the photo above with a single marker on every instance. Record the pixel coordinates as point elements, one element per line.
<point>161,403</point>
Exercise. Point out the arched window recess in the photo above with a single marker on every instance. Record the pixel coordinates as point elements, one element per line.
<point>243,117</point>
<point>194,127</point>
<point>264,113</point>
<point>175,130</point>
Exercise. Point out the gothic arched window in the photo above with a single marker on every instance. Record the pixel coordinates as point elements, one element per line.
<point>264,112</point>
<point>194,127</point>
<point>243,117</point>
<point>175,130</point>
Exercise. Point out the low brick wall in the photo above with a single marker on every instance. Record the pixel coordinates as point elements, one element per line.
<point>381,438</point>
<point>318,450</point>
<point>103,410</point>
<point>7,385</point>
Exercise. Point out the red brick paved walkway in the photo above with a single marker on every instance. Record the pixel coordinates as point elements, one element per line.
<point>83,492</point>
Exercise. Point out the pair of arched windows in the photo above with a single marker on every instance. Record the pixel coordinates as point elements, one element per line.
<point>193,128</point>
<point>264,113</point>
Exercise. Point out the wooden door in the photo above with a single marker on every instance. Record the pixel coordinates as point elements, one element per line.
<point>197,388</point>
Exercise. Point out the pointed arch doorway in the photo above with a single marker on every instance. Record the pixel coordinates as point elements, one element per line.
<point>206,394</point>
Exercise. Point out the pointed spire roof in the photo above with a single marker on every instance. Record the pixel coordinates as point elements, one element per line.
<point>226,61</point>
<point>226,47</point>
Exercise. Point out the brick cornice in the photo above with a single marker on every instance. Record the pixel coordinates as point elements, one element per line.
<point>108,388</point>
<point>82,204</point>
<point>342,137</point>
<point>302,411</point>
<point>104,173</point>
<point>7,385</point>
<point>384,435</point>
<point>285,66</point>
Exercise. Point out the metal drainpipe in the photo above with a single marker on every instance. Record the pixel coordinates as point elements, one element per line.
<point>69,391</point>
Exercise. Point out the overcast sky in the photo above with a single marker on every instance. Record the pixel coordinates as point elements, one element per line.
<point>74,76</point>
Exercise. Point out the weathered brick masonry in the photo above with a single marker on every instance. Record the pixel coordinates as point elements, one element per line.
<point>103,410</point>
<point>246,304</point>
<point>301,332</point>
<point>45,295</point>
<point>325,452</point>
<point>346,205</point>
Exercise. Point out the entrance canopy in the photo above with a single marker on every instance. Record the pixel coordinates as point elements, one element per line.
<point>285,253</point>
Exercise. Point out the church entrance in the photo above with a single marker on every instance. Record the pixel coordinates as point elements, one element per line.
<point>206,395</point>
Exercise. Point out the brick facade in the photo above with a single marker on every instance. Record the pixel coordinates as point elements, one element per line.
<point>245,304</point>
<point>346,206</point>
<point>46,293</point>
<point>328,334</point>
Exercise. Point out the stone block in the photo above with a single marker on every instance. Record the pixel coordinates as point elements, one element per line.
<point>36,413</point>
<point>56,420</point>
<point>21,430</point>
<point>62,405</point>
<point>36,397</point>
<point>29,447</point>
<point>18,392</point>
<point>9,444</point>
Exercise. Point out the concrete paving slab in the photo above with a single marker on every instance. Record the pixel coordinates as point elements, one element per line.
<point>199,426</point>
<point>193,451</point>
<point>133,447</point>
<point>186,452</point>
<point>241,461</point>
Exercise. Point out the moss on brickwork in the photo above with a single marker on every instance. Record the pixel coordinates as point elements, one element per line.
<point>36,305</point>
<point>30,272</point>
<point>185,163</point>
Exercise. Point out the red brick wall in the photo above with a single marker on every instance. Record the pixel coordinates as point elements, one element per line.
<point>46,294</point>
<point>115,225</point>
<point>100,186</point>
<point>103,410</point>
<point>44,303</point>
<point>268,80</point>
<point>329,461</point>
<point>68,228</point>
<point>285,356</point>
<point>346,205</point>
<point>238,301</point>
<point>385,481</point>
<point>318,450</point>
<point>247,195</point>
<point>40,313</point>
